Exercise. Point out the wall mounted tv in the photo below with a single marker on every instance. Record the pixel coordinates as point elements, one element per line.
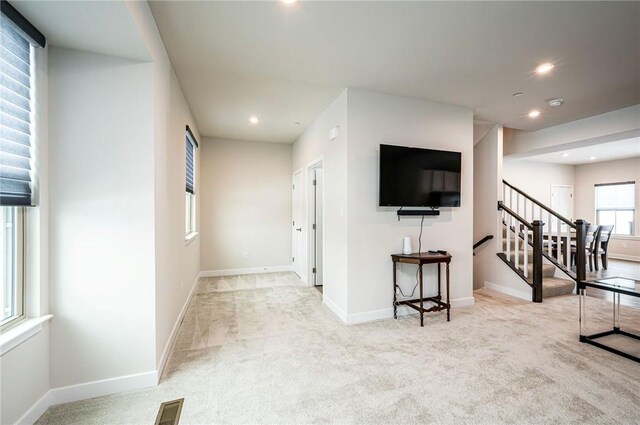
<point>414,177</point>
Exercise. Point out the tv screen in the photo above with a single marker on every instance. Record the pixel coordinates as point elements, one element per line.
<point>414,177</point>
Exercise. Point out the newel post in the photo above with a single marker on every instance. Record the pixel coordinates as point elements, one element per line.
<point>581,246</point>
<point>537,261</point>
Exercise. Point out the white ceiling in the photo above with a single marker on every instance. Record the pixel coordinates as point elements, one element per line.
<point>628,148</point>
<point>285,63</point>
<point>105,27</point>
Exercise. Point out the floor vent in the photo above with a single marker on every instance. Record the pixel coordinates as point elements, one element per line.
<point>169,413</point>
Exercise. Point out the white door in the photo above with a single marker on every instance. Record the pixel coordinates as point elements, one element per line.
<point>562,203</point>
<point>297,224</point>
<point>319,225</point>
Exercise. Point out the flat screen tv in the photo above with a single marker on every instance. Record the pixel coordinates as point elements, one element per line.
<point>414,177</point>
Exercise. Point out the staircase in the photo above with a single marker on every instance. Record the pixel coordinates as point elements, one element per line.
<point>537,243</point>
<point>551,286</point>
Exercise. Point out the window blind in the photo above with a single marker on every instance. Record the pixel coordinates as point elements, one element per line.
<point>616,196</point>
<point>191,145</point>
<point>16,173</point>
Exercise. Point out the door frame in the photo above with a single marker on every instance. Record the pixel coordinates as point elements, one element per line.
<point>317,163</point>
<point>294,266</point>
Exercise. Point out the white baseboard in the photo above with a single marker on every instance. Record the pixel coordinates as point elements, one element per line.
<point>463,302</point>
<point>88,390</point>
<point>508,291</point>
<point>624,257</point>
<point>253,270</point>
<point>334,308</point>
<point>35,411</point>
<point>387,313</point>
<point>172,337</point>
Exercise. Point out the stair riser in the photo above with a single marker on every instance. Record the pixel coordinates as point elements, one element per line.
<point>548,270</point>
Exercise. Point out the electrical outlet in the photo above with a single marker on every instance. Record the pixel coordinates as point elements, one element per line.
<point>623,245</point>
<point>245,255</point>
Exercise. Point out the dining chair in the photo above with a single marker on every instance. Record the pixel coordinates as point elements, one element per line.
<point>604,235</point>
<point>591,242</point>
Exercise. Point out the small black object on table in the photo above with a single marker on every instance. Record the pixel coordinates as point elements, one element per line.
<point>418,304</point>
<point>618,286</point>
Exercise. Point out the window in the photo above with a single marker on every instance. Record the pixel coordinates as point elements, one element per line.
<point>17,173</point>
<point>615,204</point>
<point>190,194</point>
<point>12,264</point>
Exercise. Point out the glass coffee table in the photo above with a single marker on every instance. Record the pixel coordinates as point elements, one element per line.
<point>617,286</point>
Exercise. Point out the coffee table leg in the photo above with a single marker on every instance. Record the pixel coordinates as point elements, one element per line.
<point>616,312</point>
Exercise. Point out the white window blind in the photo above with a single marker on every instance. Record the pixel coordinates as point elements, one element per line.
<point>616,196</point>
<point>16,173</point>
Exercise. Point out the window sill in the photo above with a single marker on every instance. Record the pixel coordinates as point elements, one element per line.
<point>626,238</point>
<point>189,238</point>
<point>18,334</point>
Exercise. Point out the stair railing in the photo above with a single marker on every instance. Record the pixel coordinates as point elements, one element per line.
<point>557,234</point>
<point>523,234</point>
<point>481,241</point>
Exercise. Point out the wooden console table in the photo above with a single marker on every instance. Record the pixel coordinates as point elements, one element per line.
<point>418,303</point>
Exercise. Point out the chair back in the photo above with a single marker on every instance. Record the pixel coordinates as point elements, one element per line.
<point>592,238</point>
<point>604,234</point>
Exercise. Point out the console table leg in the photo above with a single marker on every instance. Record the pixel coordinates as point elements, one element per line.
<point>395,295</point>
<point>439,290</point>
<point>448,298</point>
<point>421,302</point>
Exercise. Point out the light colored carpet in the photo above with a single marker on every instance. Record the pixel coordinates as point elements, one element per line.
<point>264,349</point>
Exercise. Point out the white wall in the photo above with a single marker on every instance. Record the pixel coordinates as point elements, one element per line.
<point>587,175</point>
<point>113,234</point>
<point>19,391</point>
<point>487,177</point>
<point>246,198</point>
<point>176,264</point>
<point>489,270</point>
<point>536,178</point>
<point>375,233</point>
<point>102,217</point>
<point>311,146</point>
<point>25,376</point>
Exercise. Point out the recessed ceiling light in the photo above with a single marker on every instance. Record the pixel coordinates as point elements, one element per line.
<point>555,102</point>
<point>545,68</point>
<point>288,1</point>
<point>564,155</point>
<point>534,114</point>
<point>254,120</point>
<point>591,158</point>
<point>517,94</point>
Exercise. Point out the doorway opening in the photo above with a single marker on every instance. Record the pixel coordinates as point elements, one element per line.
<point>316,224</point>
<point>562,203</point>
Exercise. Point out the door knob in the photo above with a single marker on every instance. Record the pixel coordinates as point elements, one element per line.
<point>299,229</point>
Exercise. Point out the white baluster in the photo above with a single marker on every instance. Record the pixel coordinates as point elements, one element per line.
<point>550,236</point>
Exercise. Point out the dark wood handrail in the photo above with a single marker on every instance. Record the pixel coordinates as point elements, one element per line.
<point>502,206</point>
<point>481,241</point>
<point>541,205</point>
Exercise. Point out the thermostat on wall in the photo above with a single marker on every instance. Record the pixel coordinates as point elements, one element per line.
<point>334,133</point>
